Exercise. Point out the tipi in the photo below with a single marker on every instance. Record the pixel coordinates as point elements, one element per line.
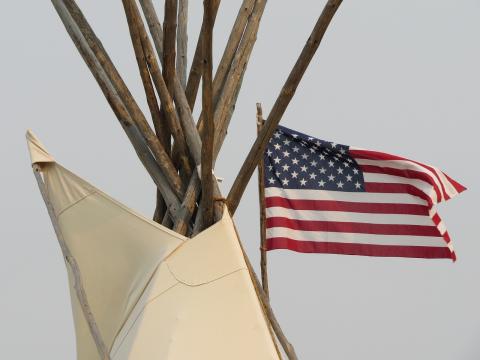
<point>179,286</point>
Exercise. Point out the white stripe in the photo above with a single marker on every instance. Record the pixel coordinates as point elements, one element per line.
<point>402,165</point>
<point>346,238</point>
<point>363,197</point>
<point>392,179</point>
<point>313,215</point>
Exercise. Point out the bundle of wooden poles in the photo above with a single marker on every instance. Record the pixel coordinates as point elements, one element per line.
<point>178,151</point>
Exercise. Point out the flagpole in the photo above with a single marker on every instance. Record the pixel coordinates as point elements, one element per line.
<point>261,201</point>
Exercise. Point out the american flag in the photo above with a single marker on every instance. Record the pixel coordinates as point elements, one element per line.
<point>325,197</point>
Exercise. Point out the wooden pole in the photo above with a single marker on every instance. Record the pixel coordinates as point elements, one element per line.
<point>235,75</point>
<point>286,345</point>
<point>75,270</point>
<point>195,74</point>
<point>230,53</point>
<point>169,42</point>
<point>263,216</point>
<point>283,99</point>
<point>194,143</point>
<point>144,54</point>
<point>118,107</point>
<point>209,133</point>
<point>154,26</point>
<point>134,110</point>
<point>182,42</point>
<point>189,201</point>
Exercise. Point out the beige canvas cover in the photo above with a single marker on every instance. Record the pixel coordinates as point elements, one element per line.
<point>154,294</point>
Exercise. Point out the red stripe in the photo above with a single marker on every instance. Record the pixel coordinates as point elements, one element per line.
<point>425,252</point>
<point>332,205</point>
<point>406,173</point>
<point>353,227</point>
<point>437,220</point>
<point>459,187</point>
<point>397,189</point>
<point>376,155</point>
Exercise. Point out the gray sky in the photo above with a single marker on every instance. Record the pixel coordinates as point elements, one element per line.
<point>397,76</point>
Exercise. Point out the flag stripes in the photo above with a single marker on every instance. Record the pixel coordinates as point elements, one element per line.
<point>390,212</point>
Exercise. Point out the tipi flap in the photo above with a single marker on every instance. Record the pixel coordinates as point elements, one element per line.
<point>38,153</point>
<point>208,256</point>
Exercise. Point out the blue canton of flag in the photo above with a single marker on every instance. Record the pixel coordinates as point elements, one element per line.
<point>297,161</point>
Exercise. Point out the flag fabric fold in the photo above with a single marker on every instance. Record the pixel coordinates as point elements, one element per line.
<point>324,197</point>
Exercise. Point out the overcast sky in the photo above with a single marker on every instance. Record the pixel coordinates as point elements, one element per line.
<point>397,76</point>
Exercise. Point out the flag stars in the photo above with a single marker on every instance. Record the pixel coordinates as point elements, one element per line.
<point>297,161</point>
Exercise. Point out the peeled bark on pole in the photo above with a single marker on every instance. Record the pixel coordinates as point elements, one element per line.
<point>118,107</point>
<point>209,133</point>
<point>182,42</point>
<point>284,98</point>
<point>134,110</point>
<point>263,216</point>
